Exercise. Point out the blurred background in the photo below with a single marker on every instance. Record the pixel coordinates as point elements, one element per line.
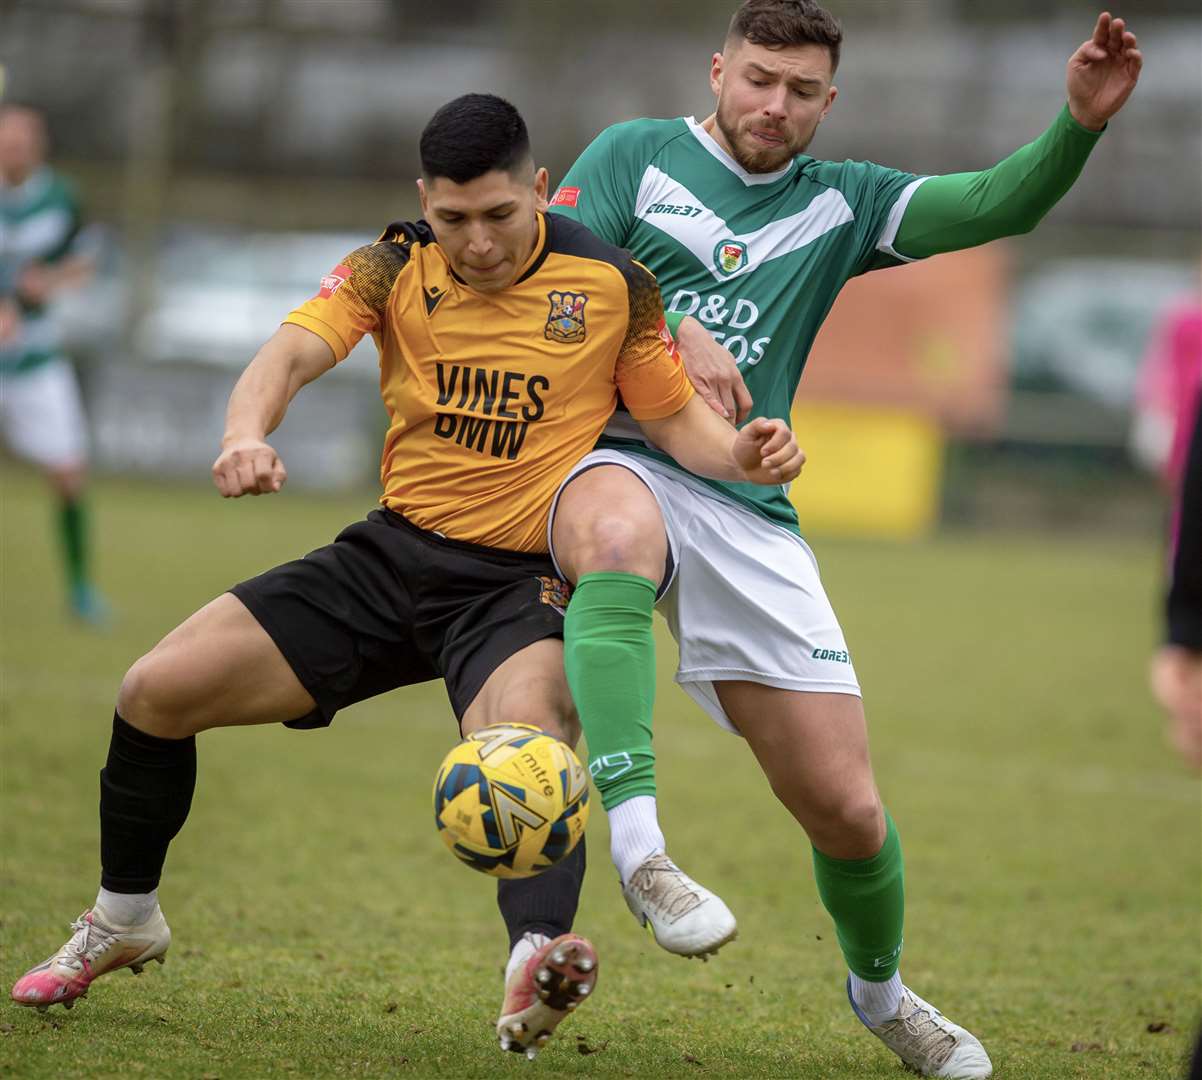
<point>229,151</point>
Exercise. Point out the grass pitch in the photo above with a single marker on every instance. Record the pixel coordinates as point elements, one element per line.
<point>321,929</point>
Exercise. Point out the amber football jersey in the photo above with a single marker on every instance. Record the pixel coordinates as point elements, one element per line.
<point>493,397</point>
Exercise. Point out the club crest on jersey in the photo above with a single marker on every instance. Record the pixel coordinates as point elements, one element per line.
<point>730,255</point>
<point>565,322</point>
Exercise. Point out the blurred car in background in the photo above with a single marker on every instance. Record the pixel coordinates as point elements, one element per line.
<point>1080,328</point>
<point>156,391</point>
<point>220,296</point>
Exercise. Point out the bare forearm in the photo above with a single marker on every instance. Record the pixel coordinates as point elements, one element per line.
<point>289,360</point>
<point>698,439</point>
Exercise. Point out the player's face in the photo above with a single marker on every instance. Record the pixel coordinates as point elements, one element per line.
<point>770,101</point>
<point>22,143</point>
<point>488,226</point>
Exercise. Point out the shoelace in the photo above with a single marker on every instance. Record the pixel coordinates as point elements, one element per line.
<point>930,1038</point>
<point>664,885</point>
<point>88,941</point>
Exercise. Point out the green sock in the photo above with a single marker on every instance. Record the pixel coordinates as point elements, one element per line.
<point>609,657</point>
<point>73,533</point>
<point>866,898</point>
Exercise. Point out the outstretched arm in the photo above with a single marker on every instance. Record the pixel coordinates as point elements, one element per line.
<point>962,210</point>
<point>291,358</point>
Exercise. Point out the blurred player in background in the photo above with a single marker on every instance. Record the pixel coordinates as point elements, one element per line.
<point>1165,437</point>
<point>41,411</point>
<point>751,241</point>
<point>504,338</point>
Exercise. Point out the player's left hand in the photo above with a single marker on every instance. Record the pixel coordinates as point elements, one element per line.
<point>1103,72</point>
<point>767,452</point>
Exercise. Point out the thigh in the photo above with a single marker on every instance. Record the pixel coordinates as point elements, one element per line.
<point>43,416</point>
<point>748,604</point>
<point>527,688</point>
<point>605,518</point>
<point>344,617</point>
<point>813,748</point>
<point>219,668</point>
<point>488,612</point>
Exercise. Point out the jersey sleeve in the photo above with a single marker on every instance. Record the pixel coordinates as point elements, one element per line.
<point>650,376</point>
<point>601,189</point>
<point>353,297</point>
<point>962,210</point>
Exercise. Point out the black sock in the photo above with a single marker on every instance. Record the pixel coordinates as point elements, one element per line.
<point>145,793</point>
<point>545,903</point>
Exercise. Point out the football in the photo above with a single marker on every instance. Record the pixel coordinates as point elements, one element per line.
<point>511,800</point>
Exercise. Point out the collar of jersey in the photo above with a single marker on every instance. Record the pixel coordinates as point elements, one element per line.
<point>30,188</point>
<point>748,178</point>
<point>531,266</point>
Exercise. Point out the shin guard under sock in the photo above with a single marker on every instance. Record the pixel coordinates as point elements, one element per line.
<point>609,658</point>
<point>545,903</point>
<point>145,793</point>
<point>866,898</point>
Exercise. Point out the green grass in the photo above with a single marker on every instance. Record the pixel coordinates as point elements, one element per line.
<point>321,929</point>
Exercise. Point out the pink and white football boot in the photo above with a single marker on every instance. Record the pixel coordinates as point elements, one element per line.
<point>544,990</point>
<point>94,949</point>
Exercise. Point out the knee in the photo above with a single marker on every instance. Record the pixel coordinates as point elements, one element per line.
<point>147,700</point>
<point>847,824</point>
<point>613,542</point>
<point>548,707</point>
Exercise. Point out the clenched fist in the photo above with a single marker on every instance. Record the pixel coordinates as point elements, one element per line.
<point>248,467</point>
<point>767,452</point>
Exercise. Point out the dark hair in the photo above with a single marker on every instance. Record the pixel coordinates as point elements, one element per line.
<point>472,135</point>
<point>778,23</point>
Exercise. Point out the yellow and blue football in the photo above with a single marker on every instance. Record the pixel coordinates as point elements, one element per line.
<point>511,800</point>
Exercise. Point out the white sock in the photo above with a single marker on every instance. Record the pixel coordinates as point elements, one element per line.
<point>877,1000</point>
<point>634,834</point>
<point>126,909</point>
<point>527,944</point>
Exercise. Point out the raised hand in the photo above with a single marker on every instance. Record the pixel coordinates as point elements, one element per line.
<point>1103,72</point>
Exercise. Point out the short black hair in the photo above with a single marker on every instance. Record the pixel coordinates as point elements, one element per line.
<point>778,24</point>
<point>472,135</point>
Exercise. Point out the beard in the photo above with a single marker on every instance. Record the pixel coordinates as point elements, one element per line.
<point>759,159</point>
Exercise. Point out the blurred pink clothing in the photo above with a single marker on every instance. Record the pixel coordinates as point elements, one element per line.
<point>1171,379</point>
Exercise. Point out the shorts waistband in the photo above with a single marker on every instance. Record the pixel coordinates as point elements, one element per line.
<point>398,521</point>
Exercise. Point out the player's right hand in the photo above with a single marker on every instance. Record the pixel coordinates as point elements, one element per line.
<point>713,372</point>
<point>248,467</point>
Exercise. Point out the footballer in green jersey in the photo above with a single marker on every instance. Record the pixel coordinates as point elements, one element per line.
<point>751,240</point>
<point>41,411</point>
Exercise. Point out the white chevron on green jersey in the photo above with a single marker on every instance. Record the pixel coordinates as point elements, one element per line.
<point>39,220</point>
<point>758,258</point>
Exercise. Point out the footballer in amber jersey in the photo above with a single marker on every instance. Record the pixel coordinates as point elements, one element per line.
<point>493,397</point>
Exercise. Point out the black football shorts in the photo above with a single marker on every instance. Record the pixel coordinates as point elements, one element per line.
<point>388,604</point>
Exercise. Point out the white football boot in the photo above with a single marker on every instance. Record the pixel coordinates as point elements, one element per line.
<point>928,1042</point>
<point>544,990</point>
<point>686,918</point>
<point>93,950</point>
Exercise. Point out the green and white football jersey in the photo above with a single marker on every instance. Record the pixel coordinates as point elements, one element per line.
<point>39,220</point>
<point>758,258</point>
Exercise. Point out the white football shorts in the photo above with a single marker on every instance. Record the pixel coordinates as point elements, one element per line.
<point>41,415</point>
<point>745,601</point>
